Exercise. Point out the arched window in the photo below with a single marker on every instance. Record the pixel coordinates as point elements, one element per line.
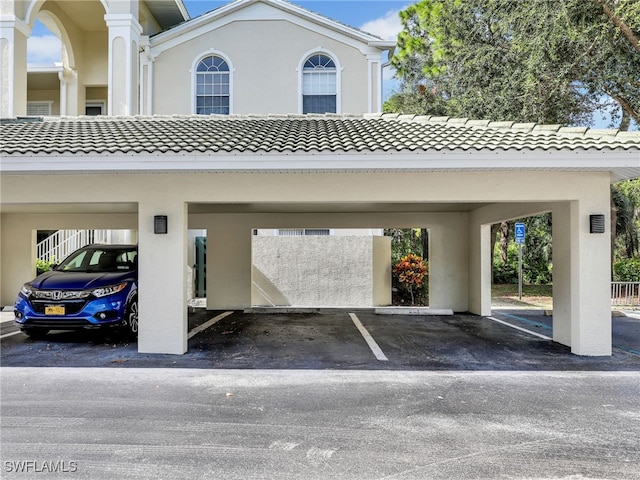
<point>212,86</point>
<point>319,91</point>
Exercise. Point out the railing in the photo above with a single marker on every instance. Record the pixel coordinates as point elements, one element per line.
<point>58,246</point>
<point>625,293</point>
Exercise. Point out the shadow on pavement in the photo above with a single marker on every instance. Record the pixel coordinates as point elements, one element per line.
<point>328,341</point>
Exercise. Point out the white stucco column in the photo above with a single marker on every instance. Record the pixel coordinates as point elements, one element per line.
<point>374,82</point>
<point>69,92</point>
<point>13,66</point>
<point>162,297</point>
<point>124,40</point>
<point>448,263</point>
<point>146,79</point>
<point>480,269</point>
<point>581,276</point>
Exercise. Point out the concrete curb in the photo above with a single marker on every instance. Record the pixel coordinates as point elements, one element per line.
<point>376,310</point>
<point>413,311</point>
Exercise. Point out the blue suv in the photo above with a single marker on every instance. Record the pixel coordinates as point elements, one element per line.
<point>95,287</point>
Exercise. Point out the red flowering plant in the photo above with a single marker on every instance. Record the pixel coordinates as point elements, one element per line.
<point>410,271</point>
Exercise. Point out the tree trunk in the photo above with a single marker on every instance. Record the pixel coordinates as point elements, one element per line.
<point>494,239</point>
<point>624,27</point>
<point>504,241</point>
<point>424,240</point>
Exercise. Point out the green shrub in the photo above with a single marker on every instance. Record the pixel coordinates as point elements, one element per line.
<point>627,270</point>
<point>44,265</point>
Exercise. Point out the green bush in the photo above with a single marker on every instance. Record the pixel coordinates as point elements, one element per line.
<point>44,265</point>
<point>627,270</point>
<point>535,270</point>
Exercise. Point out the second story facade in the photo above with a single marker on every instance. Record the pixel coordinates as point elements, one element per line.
<point>127,57</point>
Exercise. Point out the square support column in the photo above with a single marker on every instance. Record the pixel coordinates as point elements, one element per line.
<point>124,63</point>
<point>480,269</point>
<point>13,66</point>
<point>162,264</point>
<point>448,263</point>
<point>229,263</point>
<point>582,277</point>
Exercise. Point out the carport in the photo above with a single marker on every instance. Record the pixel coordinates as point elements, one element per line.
<point>231,174</point>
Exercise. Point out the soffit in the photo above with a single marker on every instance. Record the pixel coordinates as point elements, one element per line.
<point>167,12</point>
<point>87,15</point>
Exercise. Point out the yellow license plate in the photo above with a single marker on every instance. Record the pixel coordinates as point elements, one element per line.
<point>54,310</point>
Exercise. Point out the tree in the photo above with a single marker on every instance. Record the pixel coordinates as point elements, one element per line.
<point>538,61</point>
<point>625,202</point>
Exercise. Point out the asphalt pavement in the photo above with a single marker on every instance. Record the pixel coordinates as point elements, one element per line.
<point>309,396</point>
<point>331,340</point>
<point>105,423</point>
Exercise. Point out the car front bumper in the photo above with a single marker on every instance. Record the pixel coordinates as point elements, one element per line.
<point>95,314</point>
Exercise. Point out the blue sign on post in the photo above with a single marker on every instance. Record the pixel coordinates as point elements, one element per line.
<point>520,232</point>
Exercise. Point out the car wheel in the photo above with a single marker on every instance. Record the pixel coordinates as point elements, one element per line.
<point>35,333</point>
<point>131,316</point>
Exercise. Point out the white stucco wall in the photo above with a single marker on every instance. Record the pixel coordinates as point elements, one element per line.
<point>322,271</point>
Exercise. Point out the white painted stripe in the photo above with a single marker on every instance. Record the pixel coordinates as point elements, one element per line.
<point>8,319</point>
<point>208,323</point>
<point>520,328</point>
<point>377,351</point>
<point>10,334</point>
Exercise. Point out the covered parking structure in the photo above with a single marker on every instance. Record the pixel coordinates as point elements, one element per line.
<point>229,175</point>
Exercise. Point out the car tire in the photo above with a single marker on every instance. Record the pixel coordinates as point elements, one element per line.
<point>131,318</point>
<point>35,333</point>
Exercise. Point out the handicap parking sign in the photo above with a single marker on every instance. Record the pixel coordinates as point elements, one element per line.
<point>520,232</point>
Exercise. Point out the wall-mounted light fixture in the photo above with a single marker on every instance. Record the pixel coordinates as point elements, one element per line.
<point>160,224</point>
<point>596,224</point>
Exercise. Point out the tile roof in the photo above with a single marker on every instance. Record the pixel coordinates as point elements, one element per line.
<point>274,134</point>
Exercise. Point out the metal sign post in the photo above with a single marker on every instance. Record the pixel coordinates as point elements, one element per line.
<point>520,237</point>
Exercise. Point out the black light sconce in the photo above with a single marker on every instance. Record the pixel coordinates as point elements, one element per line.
<point>596,224</point>
<point>160,224</point>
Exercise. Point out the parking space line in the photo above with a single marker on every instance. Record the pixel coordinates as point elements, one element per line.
<point>10,334</point>
<point>520,328</point>
<point>377,351</point>
<point>207,324</point>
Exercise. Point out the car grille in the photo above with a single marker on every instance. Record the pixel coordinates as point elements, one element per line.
<point>57,323</point>
<point>71,307</point>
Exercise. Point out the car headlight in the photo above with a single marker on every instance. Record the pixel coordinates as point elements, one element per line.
<point>26,290</point>
<point>104,291</point>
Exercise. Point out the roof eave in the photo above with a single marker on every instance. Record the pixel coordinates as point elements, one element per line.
<point>292,9</point>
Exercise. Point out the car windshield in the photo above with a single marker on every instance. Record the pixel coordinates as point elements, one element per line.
<point>100,260</point>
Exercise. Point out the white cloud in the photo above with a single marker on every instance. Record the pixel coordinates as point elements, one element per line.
<point>387,26</point>
<point>43,49</point>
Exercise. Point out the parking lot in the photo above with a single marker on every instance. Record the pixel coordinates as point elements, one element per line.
<point>336,339</point>
<point>336,394</point>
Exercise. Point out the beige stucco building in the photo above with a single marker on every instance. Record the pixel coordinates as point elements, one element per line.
<point>252,166</point>
<point>125,57</point>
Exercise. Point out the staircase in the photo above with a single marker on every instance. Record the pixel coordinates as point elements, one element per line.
<point>58,246</point>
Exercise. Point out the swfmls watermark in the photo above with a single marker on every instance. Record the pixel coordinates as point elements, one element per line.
<point>39,466</point>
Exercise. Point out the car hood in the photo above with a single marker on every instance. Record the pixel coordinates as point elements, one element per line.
<point>54,280</point>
